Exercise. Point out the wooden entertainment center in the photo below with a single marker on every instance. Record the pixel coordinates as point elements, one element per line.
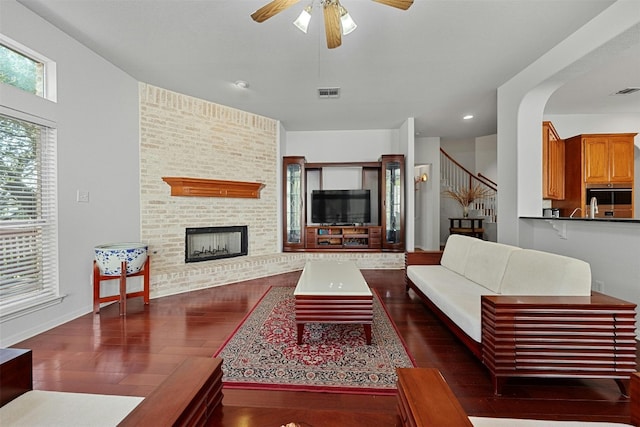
<point>344,237</point>
<point>385,232</point>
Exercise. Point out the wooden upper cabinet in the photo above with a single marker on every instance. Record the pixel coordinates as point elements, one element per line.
<point>553,163</point>
<point>608,158</point>
<point>596,160</point>
<point>621,166</point>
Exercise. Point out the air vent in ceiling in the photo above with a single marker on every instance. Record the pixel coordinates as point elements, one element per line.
<point>329,92</point>
<point>627,91</point>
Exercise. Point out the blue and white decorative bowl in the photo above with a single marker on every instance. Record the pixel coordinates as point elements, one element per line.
<point>109,257</point>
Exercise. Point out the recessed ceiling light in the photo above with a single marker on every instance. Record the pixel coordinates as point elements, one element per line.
<point>468,117</point>
<point>241,84</point>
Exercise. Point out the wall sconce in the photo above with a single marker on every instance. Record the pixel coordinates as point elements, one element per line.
<point>421,174</point>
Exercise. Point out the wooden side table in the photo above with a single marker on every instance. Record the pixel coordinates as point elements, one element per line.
<point>16,373</point>
<point>122,296</point>
<point>468,226</point>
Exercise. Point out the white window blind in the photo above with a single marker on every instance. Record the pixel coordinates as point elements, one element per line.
<point>28,214</point>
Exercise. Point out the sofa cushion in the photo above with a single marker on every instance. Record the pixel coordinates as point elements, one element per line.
<point>486,263</point>
<point>531,272</point>
<point>455,252</point>
<point>456,296</point>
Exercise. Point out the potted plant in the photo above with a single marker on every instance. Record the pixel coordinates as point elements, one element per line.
<point>466,195</point>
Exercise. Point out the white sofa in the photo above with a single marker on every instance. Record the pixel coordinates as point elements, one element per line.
<point>472,267</point>
<point>481,289</point>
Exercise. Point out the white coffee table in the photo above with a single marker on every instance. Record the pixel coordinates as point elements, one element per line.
<point>333,292</point>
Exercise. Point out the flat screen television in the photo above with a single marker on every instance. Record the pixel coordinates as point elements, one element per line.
<point>340,206</point>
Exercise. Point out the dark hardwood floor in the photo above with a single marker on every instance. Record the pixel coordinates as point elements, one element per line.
<point>131,355</point>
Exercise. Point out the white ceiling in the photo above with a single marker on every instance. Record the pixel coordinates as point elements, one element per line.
<point>437,61</point>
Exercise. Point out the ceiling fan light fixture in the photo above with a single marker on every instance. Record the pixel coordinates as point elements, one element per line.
<point>337,20</point>
<point>302,22</point>
<point>347,22</point>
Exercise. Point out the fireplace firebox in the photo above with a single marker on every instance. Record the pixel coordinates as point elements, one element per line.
<point>208,243</point>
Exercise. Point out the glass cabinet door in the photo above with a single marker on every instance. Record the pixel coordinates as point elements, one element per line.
<point>393,207</point>
<point>293,202</point>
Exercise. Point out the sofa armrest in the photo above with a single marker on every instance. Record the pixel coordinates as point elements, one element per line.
<point>534,336</point>
<point>422,258</point>
<point>425,399</point>
<point>187,397</point>
<point>419,258</point>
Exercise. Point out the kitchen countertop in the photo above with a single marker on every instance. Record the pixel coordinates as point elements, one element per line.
<point>566,218</point>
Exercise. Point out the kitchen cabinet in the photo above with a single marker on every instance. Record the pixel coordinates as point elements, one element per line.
<point>595,160</point>
<point>552,163</point>
<point>608,158</point>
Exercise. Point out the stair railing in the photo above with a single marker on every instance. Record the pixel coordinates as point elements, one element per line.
<point>455,176</point>
<point>487,179</point>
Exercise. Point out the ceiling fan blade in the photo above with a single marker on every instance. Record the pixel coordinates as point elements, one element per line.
<point>332,27</point>
<point>270,9</point>
<point>400,4</point>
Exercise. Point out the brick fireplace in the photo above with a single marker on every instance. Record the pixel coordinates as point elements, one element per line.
<point>182,136</point>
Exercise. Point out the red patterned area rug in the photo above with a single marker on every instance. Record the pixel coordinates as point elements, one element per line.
<point>263,354</point>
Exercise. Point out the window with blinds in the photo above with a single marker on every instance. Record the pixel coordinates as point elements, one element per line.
<point>28,229</point>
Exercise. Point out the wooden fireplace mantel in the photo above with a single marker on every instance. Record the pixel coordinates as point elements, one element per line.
<point>198,187</point>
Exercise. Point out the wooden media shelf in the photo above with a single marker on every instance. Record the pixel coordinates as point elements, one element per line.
<point>344,237</point>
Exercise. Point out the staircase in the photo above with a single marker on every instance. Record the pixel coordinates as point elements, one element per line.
<point>454,176</point>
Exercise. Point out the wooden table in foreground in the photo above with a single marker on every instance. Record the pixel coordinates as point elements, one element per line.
<point>425,399</point>
<point>333,292</point>
<point>15,373</point>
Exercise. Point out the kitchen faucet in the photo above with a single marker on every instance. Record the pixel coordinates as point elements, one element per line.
<point>574,211</point>
<point>593,207</point>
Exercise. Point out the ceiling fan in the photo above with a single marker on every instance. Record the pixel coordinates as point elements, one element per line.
<point>336,18</point>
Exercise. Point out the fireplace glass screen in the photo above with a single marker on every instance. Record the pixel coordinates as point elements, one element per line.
<point>207,243</point>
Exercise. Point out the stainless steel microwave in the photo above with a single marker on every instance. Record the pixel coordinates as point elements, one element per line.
<point>614,200</point>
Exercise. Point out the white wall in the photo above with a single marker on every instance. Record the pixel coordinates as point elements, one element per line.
<point>282,144</point>
<point>406,146</point>
<point>342,146</point>
<point>477,155</point>
<point>97,121</point>
<point>462,151</point>
<point>486,150</point>
<point>427,197</point>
